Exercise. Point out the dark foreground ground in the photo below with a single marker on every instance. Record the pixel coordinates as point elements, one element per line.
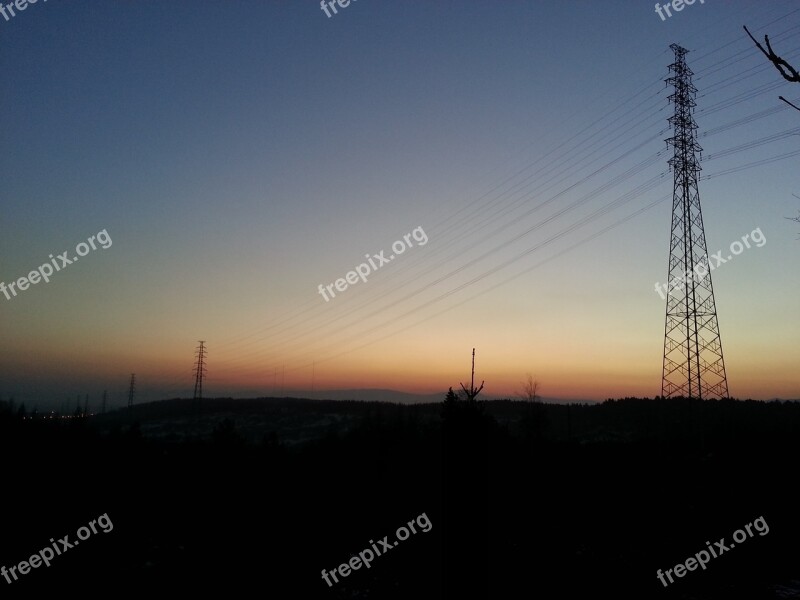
<point>257,497</point>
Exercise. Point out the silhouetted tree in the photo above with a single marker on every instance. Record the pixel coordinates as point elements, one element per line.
<point>472,393</point>
<point>465,462</point>
<point>534,421</point>
<point>530,388</point>
<point>453,407</point>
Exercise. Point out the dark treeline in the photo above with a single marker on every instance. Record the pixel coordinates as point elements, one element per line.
<point>565,501</point>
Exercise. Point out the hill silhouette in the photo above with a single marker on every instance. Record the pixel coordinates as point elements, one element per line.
<point>563,501</point>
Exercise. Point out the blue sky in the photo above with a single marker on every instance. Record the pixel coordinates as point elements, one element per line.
<point>240,154</point>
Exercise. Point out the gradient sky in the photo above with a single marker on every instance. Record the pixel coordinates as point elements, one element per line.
<point>239,154</point>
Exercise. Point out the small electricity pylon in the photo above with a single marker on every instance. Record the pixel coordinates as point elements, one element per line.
<point>131,390</point>
<point>199,371</point>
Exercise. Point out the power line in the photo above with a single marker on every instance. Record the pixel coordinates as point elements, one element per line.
<point>509,186</point>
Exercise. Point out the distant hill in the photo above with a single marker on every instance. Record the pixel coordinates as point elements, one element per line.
<point>293,419</point>
<point>371,395</point>
<point>383,395</point>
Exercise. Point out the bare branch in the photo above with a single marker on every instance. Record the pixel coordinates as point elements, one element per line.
<point>788,72</point>
<point>471,394</point>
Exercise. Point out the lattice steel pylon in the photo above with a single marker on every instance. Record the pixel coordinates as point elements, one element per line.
<point>693,364</point>
<point>131,390</point>
<point>199,371</point>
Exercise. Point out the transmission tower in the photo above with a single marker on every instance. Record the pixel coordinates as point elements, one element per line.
<point>105,397</point>
<point>199,371</point>
<point>131,390</point>
<point>693,365</point>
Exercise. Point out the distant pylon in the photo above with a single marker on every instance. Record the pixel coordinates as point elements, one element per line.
<point>199,371</point>
<point>131,390</point>
<point>105,396</point>
<point>693,366</point>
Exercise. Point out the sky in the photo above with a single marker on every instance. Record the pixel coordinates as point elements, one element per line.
<point>235,157</point>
